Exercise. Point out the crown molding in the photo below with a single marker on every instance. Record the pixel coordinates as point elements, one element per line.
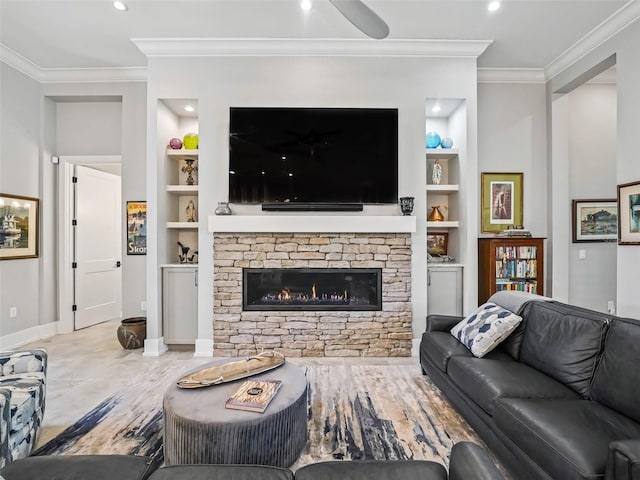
<point>208,47</point>
<point>511,75</point>
<point>617,22</point>
<point>71,75</point>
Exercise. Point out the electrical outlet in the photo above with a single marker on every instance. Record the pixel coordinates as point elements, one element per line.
<point>143,305</point>
<point>13,312</point>
<point>582,254</point>
<point>611,307</point>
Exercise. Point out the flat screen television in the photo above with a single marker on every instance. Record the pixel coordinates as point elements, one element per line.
<point>313,155</point>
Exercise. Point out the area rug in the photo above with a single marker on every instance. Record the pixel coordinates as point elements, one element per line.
<point>355,413</point>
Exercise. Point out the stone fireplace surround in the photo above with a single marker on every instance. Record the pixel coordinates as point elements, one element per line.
<point>312,333</point>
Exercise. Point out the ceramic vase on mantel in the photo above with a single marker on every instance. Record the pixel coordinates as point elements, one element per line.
<point>223,209</point>
<point>406,205</point>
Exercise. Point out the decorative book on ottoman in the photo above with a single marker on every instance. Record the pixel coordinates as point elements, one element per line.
<point>254,395</point>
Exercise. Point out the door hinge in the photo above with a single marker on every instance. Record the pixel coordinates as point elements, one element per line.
<point>74,179</point>
<point>74,223</point>
<point>74,308</point>
<point>74,265</point>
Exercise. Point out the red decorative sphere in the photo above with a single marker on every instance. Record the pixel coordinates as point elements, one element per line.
<point>175,143</point>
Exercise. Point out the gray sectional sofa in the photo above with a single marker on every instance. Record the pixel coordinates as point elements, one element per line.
<point>23,376</point>
<point>467,462</point>
<point>558,399</point>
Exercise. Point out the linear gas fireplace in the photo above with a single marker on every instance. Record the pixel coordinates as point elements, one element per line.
<point>312,289</point>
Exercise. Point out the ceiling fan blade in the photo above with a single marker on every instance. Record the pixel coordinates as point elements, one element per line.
<point>362,17</point>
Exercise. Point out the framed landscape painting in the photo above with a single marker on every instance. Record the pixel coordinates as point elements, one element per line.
<point>629,214</point>
<point>594,220</point>
<point>501,201</point>
<point>18,227</point>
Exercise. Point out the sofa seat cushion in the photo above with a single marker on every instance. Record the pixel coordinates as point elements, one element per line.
<point>567,438</point>
<point>486,380</point>
<point>440,347</point>
<point>221,472</point>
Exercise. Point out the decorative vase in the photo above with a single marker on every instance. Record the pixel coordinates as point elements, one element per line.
<point>446,142</point>
<point>132,332</point>
<point>433,140</point>
<point>406,205</point>
<point>223,209</point>
<point>190,141</point>
<point>435,215</point>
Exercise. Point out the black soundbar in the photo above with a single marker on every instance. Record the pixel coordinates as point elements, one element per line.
<point>311,207</point>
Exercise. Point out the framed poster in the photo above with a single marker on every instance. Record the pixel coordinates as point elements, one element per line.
<point>594,220</point>
<point>19,227</point>
<point>136,228</point>
<point>437,243</point>
<point>629,214</point>
<point>501,201</point>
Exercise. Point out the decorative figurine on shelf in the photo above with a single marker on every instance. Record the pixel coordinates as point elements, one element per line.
<point>183,253</point>
<point>191,212</point>
<point>436,175</point>
<point>190,168</point>
<point>406,205</point>
<point>193,258</point>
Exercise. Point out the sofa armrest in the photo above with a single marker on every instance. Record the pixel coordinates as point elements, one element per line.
<point>469,461</point>
<point>623,462</point>
<point>441,323</point>
<point>23,361</point>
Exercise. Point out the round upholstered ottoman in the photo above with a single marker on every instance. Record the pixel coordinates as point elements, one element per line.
<point>199,429</point>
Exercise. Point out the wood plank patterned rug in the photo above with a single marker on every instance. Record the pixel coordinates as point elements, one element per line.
<point>355,412</point>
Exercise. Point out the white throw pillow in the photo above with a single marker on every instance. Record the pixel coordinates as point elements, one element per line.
<point>484,329</point>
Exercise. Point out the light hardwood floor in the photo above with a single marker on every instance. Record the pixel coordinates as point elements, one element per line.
<point>88,365</point>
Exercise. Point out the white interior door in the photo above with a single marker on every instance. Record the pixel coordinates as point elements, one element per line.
<point>97,276</point>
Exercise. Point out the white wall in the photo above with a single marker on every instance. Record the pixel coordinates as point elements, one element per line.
<point>221,82</point>
<point>89,128</point>
<point>20,284</point>
<point>624,46</point>
<point>592,175</point>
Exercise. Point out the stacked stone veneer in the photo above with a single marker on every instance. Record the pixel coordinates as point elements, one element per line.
<point>312,333</point>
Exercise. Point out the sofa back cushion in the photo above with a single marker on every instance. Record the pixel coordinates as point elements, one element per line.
<point>617,380</point>
<point>563,341</point>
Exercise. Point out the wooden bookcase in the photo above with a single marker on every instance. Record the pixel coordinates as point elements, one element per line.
<point>507,263</point>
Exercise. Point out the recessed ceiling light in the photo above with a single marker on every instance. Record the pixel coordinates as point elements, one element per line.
<point>120,6</point>
<point>305,4</point>
<point>493,6</point>
<point>189,108</point>
<point>436,109</point>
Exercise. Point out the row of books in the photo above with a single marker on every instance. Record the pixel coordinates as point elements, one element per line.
<point>516,268</point>
<point>516,252</point>
<point>530,287</point>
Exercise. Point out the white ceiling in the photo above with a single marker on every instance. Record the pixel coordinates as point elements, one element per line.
<point>68,34</point>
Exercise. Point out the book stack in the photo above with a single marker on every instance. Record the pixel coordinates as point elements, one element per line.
<point>515,232</point>
<point>254,395</point>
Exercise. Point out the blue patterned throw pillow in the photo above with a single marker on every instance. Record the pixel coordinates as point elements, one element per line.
<point>484,329</point>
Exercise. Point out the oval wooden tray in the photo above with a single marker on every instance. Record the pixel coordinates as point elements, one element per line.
<point>230,371</point>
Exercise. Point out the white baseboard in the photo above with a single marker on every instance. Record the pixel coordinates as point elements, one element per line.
<point>28,335</point>
<point>154,347</point>
<point>204,348</point>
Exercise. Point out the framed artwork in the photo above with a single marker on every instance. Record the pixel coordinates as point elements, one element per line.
<point>501,201</point>
<point>629,214</point>
<point>136,228</point>
<point>19,227</point>
<point>594,220</point>
<point>437,243</point>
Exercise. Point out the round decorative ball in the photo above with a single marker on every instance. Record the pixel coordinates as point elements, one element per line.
<point>175,143</point>
<point>446,142</point>
<point>433,140</point>
<point>190,141</point>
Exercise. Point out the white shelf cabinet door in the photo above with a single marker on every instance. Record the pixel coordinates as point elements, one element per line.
<point>444,290</point>
<point>180,304</point>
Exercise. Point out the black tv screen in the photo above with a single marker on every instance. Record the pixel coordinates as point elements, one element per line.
<point>309,155</point>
